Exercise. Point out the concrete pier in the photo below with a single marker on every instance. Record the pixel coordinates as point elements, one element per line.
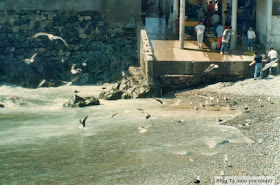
<point>183,68</point>
<point>171,60</point>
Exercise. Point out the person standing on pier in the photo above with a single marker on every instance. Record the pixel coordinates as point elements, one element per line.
<point>215,22</point>
<point>251,38</point>
<point>225,40</point>
<point>258,66</point>
<point>210,8</point>
<point>272,56</point>
<point>200,28</point>
<point>219,32</point>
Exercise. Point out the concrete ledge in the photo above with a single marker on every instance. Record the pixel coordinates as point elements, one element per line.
<point>179,82</point>
<point>146,57</point>
<point>198,68</point>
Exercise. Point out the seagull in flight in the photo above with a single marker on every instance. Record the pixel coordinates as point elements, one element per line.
<point>50,36</point>
<point>271,64</point>
<point>148,115</point>
<point>83,122</point>
<point>211,67</point>
<point>30,60</point>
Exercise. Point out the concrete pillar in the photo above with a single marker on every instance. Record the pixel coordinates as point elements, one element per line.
<point>164,8</point>
<point>204,5</point>
<point>182,23</point>
<point>224,8</point>
<point>234,22</point>
<point>175,16</point>
<point>269,23</point>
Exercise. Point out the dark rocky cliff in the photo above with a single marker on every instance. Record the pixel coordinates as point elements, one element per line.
<point>106,50</point>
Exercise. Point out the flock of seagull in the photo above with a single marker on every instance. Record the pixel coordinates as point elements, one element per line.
<point>50,36</point>
<point>141,129</point>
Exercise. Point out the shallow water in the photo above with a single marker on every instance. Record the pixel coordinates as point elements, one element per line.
<point>42,142</point>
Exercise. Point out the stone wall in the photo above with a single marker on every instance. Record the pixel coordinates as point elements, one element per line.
<point>107,50</point>
<point>50,5</point>
<point>121,11</point>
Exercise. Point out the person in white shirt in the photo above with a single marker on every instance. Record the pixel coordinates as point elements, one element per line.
<point>225,39</point>
<point>200,28</point>
<point>251,38</point>
<point>272,56</point>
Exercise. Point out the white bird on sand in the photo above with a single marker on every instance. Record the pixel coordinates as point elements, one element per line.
<point>195,108</point>
<point>30,60</point>
<point>143,129</point>
<point>197,180</point>
<point>225,159</point>
<point>201,105</point>
<point>50,36</point>
<point>74,70</point>
<point>211,67</point>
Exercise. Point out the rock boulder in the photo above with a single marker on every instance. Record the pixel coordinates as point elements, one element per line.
<point>77,101</point>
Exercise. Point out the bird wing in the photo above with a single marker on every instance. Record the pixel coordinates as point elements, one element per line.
<point>38,34</point>
<point>114,114</point>
<point>271,64</point>
<point>140,109</point>
<point>84,121</point>
<point>158,100</point>
<point>33,56</point>
<point>209,68</point>
<point>266,67</point>
<point>57,37</point>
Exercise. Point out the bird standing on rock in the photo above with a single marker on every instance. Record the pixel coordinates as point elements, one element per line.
<point>84,63</point>
<point>124,75</point>
<point>74,70</point>
<point>197,180</point>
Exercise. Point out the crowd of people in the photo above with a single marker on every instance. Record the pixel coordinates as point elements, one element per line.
<point>223,33</point>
